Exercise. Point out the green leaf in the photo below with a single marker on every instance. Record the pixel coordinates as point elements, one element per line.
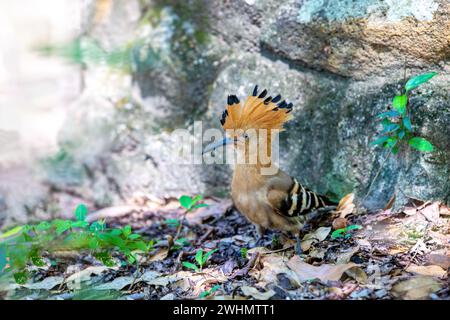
<point>421,144</point>
<point>418,80</point>
<point>244,252</point>
<point>11,232</point>
<point>353,227</point>
<point>200,205</point>
<point>407,123</point>
<point>379,140</point>
<point>21,277</point>
<point>390,127</point>
<point>395,149</point>
<point>42,226</point>
<point>338,233</point>
<point>172,222</point>
<point>126,231</point>
<point>80,224</point>
<point>105,258</point>
<point>197,199</point>
<point>190,266</point>
<point>134,236</point>
<point>36,259</point>
<point>399,103</point>
<point>207,255</point>
<point>97,226</point>
<point>186,202</point>
<point>401,134</point>
<point>81,212</point>
<point>61,225</point>
<point>198,257</point>
<point>390,113</point>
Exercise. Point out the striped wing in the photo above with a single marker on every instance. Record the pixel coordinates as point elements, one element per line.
<point>297,200</point>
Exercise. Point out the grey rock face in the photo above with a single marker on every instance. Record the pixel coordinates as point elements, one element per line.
<point>339,62</point>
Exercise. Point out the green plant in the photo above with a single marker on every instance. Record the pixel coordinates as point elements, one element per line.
<point>210,291</point>
<point>344,232</point>
<point>397,124</point>
<point>191,203</point>
<point>200,258</point>
<point>24,245</point>
<point>244,252</point>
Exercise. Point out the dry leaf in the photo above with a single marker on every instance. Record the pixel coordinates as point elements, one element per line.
<point>433,271</point>
<point>160,255</point>
<point>358,274</point>
<point>117,284</point>
<point>324,272</point>
<point>439,259</point>
<point>431,212</point>
<point>344,257</point>
<point>346,205</point>
<point>253,292</point>
<point>214,210</point>
<point>46,284</point>
<point>316,236</point>
<point>416,288</point>
<point>85,275</point>
<point>273,265</point>
<point>444,210</point>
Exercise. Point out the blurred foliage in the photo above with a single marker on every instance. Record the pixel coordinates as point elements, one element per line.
<point>26,244</point>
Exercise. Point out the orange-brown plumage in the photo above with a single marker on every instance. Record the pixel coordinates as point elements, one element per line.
<point>275,200</point>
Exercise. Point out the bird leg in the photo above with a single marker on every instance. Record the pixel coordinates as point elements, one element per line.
<point>260,240</point>
<point>298,245</point>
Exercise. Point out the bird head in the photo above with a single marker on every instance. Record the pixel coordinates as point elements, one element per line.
<point>259,114</point>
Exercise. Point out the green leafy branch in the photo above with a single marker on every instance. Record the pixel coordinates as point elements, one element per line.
<point>189,204</point>
<point>397,124</point>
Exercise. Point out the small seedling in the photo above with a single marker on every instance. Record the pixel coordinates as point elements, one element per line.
<point>192,203</point>
<point>344,232</point>
<point>244,252</point>
<point>200,258</point>
<point>210,291</point>
<point>397,126</point>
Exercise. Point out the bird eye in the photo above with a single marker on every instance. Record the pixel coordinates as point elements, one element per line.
<point>245,136</point>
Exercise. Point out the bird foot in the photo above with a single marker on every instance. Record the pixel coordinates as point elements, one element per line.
<point>259,242</point>
<point>298,246</point>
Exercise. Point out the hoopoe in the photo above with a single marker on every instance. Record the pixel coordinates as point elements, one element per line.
<point>272,200</point>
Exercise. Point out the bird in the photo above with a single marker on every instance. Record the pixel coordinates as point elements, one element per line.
<point>273,200</point>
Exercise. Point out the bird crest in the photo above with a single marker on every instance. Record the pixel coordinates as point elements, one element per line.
<point>258,112</point>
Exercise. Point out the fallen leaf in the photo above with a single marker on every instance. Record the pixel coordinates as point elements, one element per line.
<point>346,205</point>
<point>416,288</point>
<point>439,259</point>
<point>46,284</point>
<point>255,293</point>
<point>316,236</point>
<point>75,279</point>
<point>324,272</point>
<point>433,271</point>
<point>214,210</point>
<point>160,255</point>
<point>358,274</point>
<point>117,284</point>
<point>272,265</point>
<point>344,257</point>
<point>444,210</point>
<point>169,296</point>
<point>431,212</point>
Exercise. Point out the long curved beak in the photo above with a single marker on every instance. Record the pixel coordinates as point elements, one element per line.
<point>213,146</point>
